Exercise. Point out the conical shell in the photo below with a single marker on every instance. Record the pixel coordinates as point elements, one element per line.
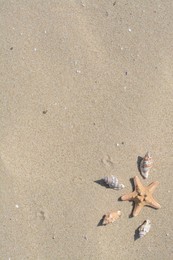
<point>113,182</point>
<point>146,164</point>
<point>144,228</point>
<point>110,217</point>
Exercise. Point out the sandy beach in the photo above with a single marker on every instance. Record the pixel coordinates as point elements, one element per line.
<point>86,87</point>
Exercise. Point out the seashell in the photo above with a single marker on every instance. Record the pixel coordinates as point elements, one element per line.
<point>146,164</point>
<point>144,228</point>
<point>113,182</point>
<point>110,217</point>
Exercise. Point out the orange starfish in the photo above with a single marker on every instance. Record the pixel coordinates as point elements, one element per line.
<point>142,196</point>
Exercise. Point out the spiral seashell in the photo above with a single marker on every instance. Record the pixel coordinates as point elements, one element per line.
<point>113,182</point>
<point>146,164</point>
<point>110,217</point>
<point>144,228</point>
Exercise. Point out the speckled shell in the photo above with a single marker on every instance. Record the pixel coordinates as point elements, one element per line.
<point>144,228</point>
<point>110,217</point>
<point>146,164</point>
<point>113,182</point>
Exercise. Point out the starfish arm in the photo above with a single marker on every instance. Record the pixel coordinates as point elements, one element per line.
<point>138,184</point>
<point>128,196</point>
<point>137,209</point>
<point>152,186</point>
<point>153,203</point>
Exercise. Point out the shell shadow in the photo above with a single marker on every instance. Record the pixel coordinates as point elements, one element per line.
<point>136,235</point>
<point>102,183</point>
<point>138,162</point>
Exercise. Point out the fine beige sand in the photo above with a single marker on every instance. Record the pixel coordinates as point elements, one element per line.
<point>86,86</point>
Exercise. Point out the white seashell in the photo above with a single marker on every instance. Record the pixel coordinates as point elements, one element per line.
<point>110,217</point>
<point>146,164</point>
<point>113,182</point>
<point>144,228</point>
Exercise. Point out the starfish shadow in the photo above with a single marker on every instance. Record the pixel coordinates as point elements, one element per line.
<point>100,224</point>
<point>132,183</point>
<point>102,183</point>
<point>131,214</point>
<point>133,203</point>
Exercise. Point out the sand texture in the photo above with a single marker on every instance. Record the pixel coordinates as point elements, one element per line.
<point>86,86</point>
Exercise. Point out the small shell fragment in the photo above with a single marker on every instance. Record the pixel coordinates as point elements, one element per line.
<point>113,182</point>
<point>110,217</point>
<point>146,164</point>
<point>144,228</point>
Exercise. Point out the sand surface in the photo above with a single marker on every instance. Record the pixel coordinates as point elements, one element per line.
<point>86,86</point>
